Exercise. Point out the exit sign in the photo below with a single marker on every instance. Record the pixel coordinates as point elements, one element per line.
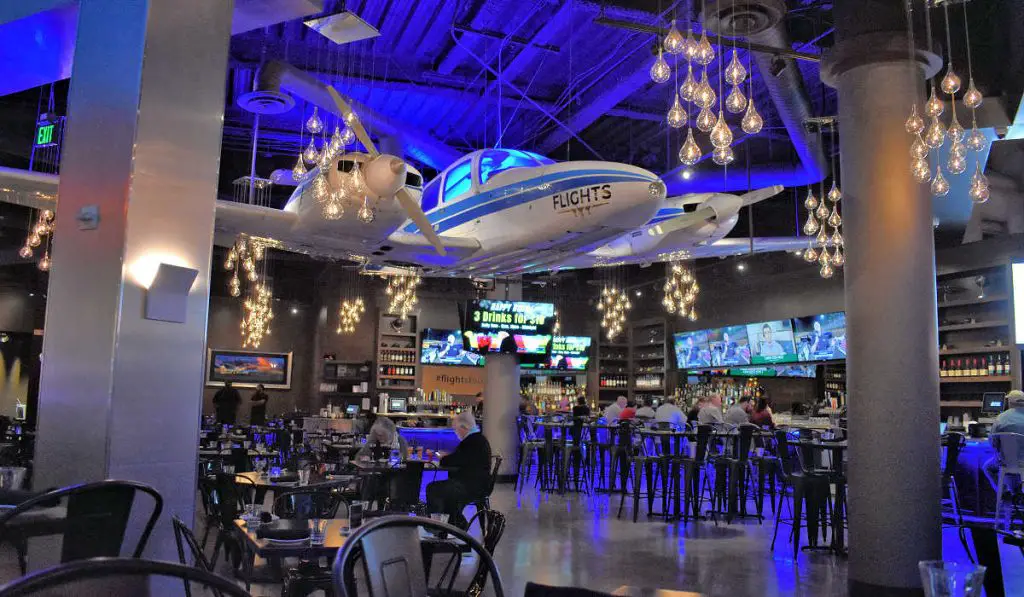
<point>48,132</point>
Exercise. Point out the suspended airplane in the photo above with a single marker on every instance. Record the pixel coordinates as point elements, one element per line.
<point>493,212</point>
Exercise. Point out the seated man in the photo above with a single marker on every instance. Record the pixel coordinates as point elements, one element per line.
<point>470,475</point>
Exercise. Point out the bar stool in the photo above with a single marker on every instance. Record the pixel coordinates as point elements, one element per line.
<point>599,444</point>
<point>648,464</point>
<point>529,447</point>
<point>732,472</point>
<point>576,457</point>
<point>621,454</point>
<point>953,444</point>
<point>797,485</point>
<point>694,478</point>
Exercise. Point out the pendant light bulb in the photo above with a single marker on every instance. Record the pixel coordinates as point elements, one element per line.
<point>676,115</point>
<point>321,188</point>
<point>690,46</point>
<point>935,136</point>
<point>706,120</point>
<point>940,186</point>
<point>933,107</point>
<point>834,194</point>
<point>834,219</point>
<point>310,154</point>
<point>972,97</point>
<point>914,124</point>
<point>811,202</point>
<point>689,87</point>
<point>752,121</point>
<point>920,169</point>
<point>918,148</point>
<point>299,169</point>
<point>811,226</point>
<point>723,156</point>
<point>979,191</point>
<point>822,212</point>
<point>336,144</point>
<point>838,258</point>
<point>735,102</point>
<point>810,254</point>
<point>44,263</point>
<point>333,208</point>
<point>314,124</point>
<point>25,252</point>
<point>347,136</point>
<point>721,135</point>
<point>956,164</point>
<point>690,152</point>
<point>975,139</point>
<point>955,131</point>
<point>674,43</point>
<point>660,70</point>
<point>735,73</point>
<point>950,83</point>
<point>705,95</point>
<point>366,214</point>
<point>705,53</point>
<point>826,271</point>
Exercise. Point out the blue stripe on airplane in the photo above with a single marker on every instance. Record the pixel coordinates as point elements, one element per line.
<point>450,216</point>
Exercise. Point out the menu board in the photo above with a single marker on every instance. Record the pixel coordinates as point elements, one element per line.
<point>569,353</point>
<point>729,346</point>
<point>771,342</point>
<point>692,351</point>
<point>775,371</point>
<point>509,326</point>
<point>820,337</point>
<point>445,347</point>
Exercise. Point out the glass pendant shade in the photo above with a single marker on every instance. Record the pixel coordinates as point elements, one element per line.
<point>690,152</point>
<point>705,95</point>
<point>310,154</point>
<point>972,97</point>
<point>914,124</point>
<point>933,107</point>
<point>838,258</point>
<point>314,124</point>
<point>918,148</point>
<point>721,135</point>
<point>691,47</point>
<point>333,208</point>
<point>958,150</point>
<point>834,219</point>
<point>752,121</point>
<point>660,70</point>
<point>34,240</point>
<point>834,195</point>
<point>299,169</point>
<point>950,83</point>
<point>956,164</point>
<point>975,139</point>
<point>336,143</point>
<point>705,52</point>
<point>706,120</point>
<point>689,87</point>
<point>25,252</point>
<point>979,191</point>
<point>810,254</point>
<point>822,237</point>
<point>827,271</point>
<point>811,226</point>
<point>321,188</point>
<point>723,156</point>
<point>44,263</point>
<point>920,170</point>
<point>674,43</point>
<point>347,136</point>
<point>940,186</point>
<point>811,202</point>
<point>822,212</point>
<point>676,115</point>
<point>935,136</point>
<point>735,73</point>
<point>955,131</point>
<point>366,214</point>
<point>735,102</point>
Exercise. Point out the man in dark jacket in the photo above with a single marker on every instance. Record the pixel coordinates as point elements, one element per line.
<point>470,476</point>
<point>226,402</point>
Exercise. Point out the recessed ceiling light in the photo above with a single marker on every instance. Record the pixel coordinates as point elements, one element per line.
<point>741,266</point>
<point>639,293</point>
<point>687,174</point>
<point>295,310</point>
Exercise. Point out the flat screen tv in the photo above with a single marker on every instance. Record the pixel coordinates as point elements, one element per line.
<point>569,353</point>
<point>445,347</point>
<point>509,326</point>
<point>692,351</point>
<point>771,342</point>
<point>820,337</point>
<point>729,346</point>
<point>245,369</point>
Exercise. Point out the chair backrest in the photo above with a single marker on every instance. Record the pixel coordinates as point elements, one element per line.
<point>954,444</point>
<point>1011,451</point>
<point>96,519</point>
<point>744,439</point>
<point>704,433</point>
<point>90,575</point>
<point>495,467</point>
<point>404,486</point>
<point>392,556</point>
<point>492,526</point>
<point>783,451</point>
<point>230,498</point>
<point>308,502</point>
<point>183,536</point>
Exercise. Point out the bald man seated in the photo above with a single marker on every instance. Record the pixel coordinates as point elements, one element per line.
<point>470,475</point>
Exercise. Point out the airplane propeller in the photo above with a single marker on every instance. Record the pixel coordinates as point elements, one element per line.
<point>384,175</point>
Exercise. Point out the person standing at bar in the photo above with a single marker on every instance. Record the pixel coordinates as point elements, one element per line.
<point>258,410</point>
<point>226,402</point>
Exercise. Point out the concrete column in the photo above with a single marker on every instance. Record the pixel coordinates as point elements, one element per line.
<point>121,396</point>
<point>892,363</point>
<point>501,407</point>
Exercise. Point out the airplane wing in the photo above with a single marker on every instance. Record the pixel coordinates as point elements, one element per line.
<point>235,218</point>
<point>410,246</point>
<point>727,247</point>
<point>31,189</point>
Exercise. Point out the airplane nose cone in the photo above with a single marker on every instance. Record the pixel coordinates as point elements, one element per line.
<point>397,166</point>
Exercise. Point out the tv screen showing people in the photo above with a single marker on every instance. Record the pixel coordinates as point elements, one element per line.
<point>692,350</point>
<point>820,337</point>
<point>445,347</point>
<point>729,346</point>
<point>771,342</point>
<point>509,326</point>
<point>569,353</point>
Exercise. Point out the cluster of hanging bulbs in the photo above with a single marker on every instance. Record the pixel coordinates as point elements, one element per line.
<point>824,223</point>
<point>331,200</point>
<point>613,305</point>
<point>244,255</point>
<point>931,136</point>
<point>681,291</point>
<point>700,92</point>
<point>36,235</point>
<point>256,319</point>
<point>401,292</point>
<point>349,314</point>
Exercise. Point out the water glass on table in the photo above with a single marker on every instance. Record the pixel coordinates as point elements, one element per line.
<point>951,579</point>
<point>317,531</point>
<point>303,476</point>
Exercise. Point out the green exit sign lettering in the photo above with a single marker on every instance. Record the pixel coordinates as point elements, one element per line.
<point>48,132</point>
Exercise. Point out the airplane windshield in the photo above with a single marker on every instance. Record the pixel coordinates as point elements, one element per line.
<point>498,160</point>
<point>458,181</point>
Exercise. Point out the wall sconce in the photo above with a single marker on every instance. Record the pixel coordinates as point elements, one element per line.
<point>167,295</point>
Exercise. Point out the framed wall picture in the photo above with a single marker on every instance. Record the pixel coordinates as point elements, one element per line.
<point>246,369</point>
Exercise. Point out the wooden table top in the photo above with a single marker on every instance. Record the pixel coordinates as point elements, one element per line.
<point>629,591</point>
<point>333,541</point>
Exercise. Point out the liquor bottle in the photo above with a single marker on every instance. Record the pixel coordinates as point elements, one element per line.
<point>991,368</point>
<point>973,367</point>
<point>1005,370</point>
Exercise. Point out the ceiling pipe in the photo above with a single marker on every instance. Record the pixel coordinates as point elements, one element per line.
<point>761,22</point>
<point>277,77</point>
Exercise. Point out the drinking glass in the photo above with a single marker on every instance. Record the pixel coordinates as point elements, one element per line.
<point>439,517</point>
<point>951,579</point>
<point>229,469</point>
<point>303,476</point>
<point>317,531</point>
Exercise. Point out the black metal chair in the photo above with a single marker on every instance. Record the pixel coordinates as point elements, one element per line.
<point>183,536</point>
<point>95,521</point>
<point>799,485</point>
<point>391,551</point>
<point>100,577</point>
<point>306,503</point>
<point>484,501</point>
<point>230,500</point>
<point>954,443</point>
